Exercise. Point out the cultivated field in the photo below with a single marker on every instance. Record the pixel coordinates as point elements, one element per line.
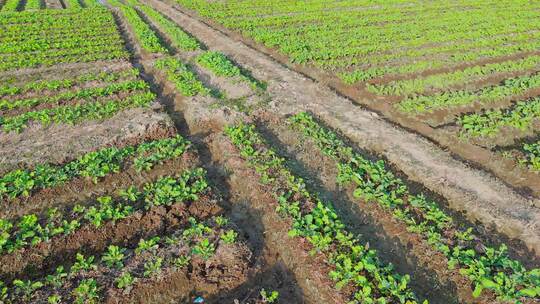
<point>250,151</point>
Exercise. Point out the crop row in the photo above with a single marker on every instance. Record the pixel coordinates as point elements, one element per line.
<point>315,49</point>
<point>55,18</point>
<point>10,6</point>
<point>30,230</point>
<point>508,88</point>
<point>440,81</point>
<point>302,47</point>
<point>129,86</point>
<point>178,37</point>
<point>435,63</point>
<point>90,54</point>
<point>73,4</point>
<point>355,267</point>
<point>93,165</point>
<point>181,76</point>
<point>60,84</point>
<point>56,34</point>
<point>88,278</point>
<point>148,39</point>
<point>487,268</point>
<point>59,49</point>
<point>453,52</point>
<point>91,278</point>
<point>520,116</point>
<point>63,44</point>
<point>73,114</point>
<point>33,5</point>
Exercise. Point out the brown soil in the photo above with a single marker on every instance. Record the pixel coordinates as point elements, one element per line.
<point>476,193</point>
<point>82,189</point>
<point>35,261</point>
<point>224,271</point>
<point>60,143</point>
<point>253,201</point>
<point>276,278</point>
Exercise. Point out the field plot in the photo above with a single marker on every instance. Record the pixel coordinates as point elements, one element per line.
<point>151,155</point>
<point>462,73</point>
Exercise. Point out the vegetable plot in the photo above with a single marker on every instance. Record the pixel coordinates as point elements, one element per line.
<point>489,268</point>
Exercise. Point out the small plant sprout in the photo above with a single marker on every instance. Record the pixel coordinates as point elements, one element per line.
<point>26,288</point>
<point>125,280</point>
<point>152,267</point>
<point>56,279</point>
<point>182,261</point>
<point>269,297</point>
<point>204,248</point>
<point>54,299</point>
<point>114,256</point>
<point>86,292</point>
<point>83,263</point>
<point>229,237</point>
<point>147,245</point>
<point>221,221</point>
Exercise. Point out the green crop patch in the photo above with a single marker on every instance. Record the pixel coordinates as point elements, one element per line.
<point>488,268</point>
<point>93,165</point>
<point>81,38</point>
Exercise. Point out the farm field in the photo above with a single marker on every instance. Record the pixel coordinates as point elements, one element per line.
<point>249,151</point>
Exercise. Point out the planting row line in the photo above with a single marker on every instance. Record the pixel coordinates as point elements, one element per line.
<point>93,165</point>
<point>179,73</point>
<point>356,269</point>
<point>520,117</point>
<point>486,267</point>
<point>441,81</point>
<point>61,49</point>
<point>130,86</point>
<point>508,88</point>
<point>37,87</point>
<point>73,114</point>
<point>118,270</point>
<point>30,230</point>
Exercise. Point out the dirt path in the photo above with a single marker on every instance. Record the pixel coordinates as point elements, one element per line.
<point>482,197</point>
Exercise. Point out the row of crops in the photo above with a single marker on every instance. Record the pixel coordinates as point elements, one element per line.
<point>32,5</point>
<point>185,239</point>
<point>92,96</point>
<point>49,37</point>
<point>467,69</point>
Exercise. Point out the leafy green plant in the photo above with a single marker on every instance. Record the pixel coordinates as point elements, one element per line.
<point>152,267</point>
<point>182,76</point>
<point>26,288</point>
<point>147,245</point>
<point>490,268</point>
<point>86,292</point>
<point>54,299</point>
<point>182,261</point>
<point>125,280</point>
<point>57,279</point>
<point>318,223</point>
<point>114,256</point>
<point>83,264</point>
<point>204,249</point>
<point>269,297</point>
<point>218,63</point>
<point>148,39</point>
<point>229,237</point>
